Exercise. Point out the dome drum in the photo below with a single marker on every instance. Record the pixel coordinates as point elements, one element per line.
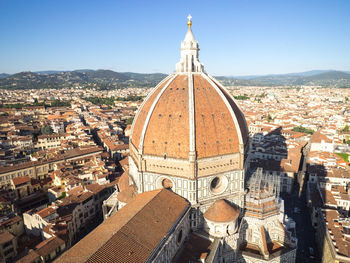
<point>184,167</point>
<point>221,218</point>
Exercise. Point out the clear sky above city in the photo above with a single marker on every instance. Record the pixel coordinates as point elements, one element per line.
<point>235,37</point>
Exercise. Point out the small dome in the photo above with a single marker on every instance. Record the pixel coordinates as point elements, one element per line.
<point>221,211</point>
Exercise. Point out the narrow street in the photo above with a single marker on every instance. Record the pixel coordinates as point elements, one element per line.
<point>304,230</point>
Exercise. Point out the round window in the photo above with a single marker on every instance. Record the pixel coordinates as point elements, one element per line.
<point>167,184</point>
<point>219,184</point>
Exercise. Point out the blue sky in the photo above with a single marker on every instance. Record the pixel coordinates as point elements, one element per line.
<point>235,37</point>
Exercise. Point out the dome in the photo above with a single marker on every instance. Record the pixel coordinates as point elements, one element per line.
<point>189,116</point>
<point>162,126</point>
<point>221,211</point>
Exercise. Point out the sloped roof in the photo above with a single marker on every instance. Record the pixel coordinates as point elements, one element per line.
<point>47,246</point>
<point>5,236</point>
<point>21,180</point>
<point>133,233</point>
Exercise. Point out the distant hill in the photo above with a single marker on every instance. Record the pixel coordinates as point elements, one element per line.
<point>315,77</point>
<point>305,73</point>
<point>108,79</point>
<point>102,79</point>
<point>4,75</point>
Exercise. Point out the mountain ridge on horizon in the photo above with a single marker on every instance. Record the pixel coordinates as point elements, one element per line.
<point>299,73</point>
<point>109,79</point>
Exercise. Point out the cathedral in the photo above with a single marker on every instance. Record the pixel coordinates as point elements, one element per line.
<point>186,198</point>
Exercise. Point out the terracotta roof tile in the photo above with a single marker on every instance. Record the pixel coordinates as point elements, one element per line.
<point>32,256</point>
<point>128,194</point>
<point>5,236</point>
<point>48,245</point>
<point>142,115</point>
<point>168,128</point>
<point>21,180</point>
<point>221,211</point>
<point>125,236</point>
<point>216,133</point>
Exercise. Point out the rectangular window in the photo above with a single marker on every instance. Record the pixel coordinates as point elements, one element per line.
<point>7,244</point>
<point>7,252</point>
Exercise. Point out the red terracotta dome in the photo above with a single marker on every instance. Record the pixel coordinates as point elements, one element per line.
<point>163,123</point>
<point>189,125</point>
<point>221,211</point>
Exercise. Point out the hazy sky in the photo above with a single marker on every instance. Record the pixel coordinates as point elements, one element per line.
<point>235,37</point>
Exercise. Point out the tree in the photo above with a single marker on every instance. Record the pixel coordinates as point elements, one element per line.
<point>46,130</point>
<point>129,120</point>
<point>346,128</point>
<point>303,130</point>
<point>269,118</point>
<point>240,97</point>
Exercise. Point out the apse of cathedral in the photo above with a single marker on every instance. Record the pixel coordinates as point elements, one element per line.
<point>185,197</point>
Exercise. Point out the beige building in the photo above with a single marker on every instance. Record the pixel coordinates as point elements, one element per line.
<point>332,236</point>
<point>49,141</point>
<point>41,169</point>
<point>12,224</point>
<point>8,246</point>
<point>46,251</point>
